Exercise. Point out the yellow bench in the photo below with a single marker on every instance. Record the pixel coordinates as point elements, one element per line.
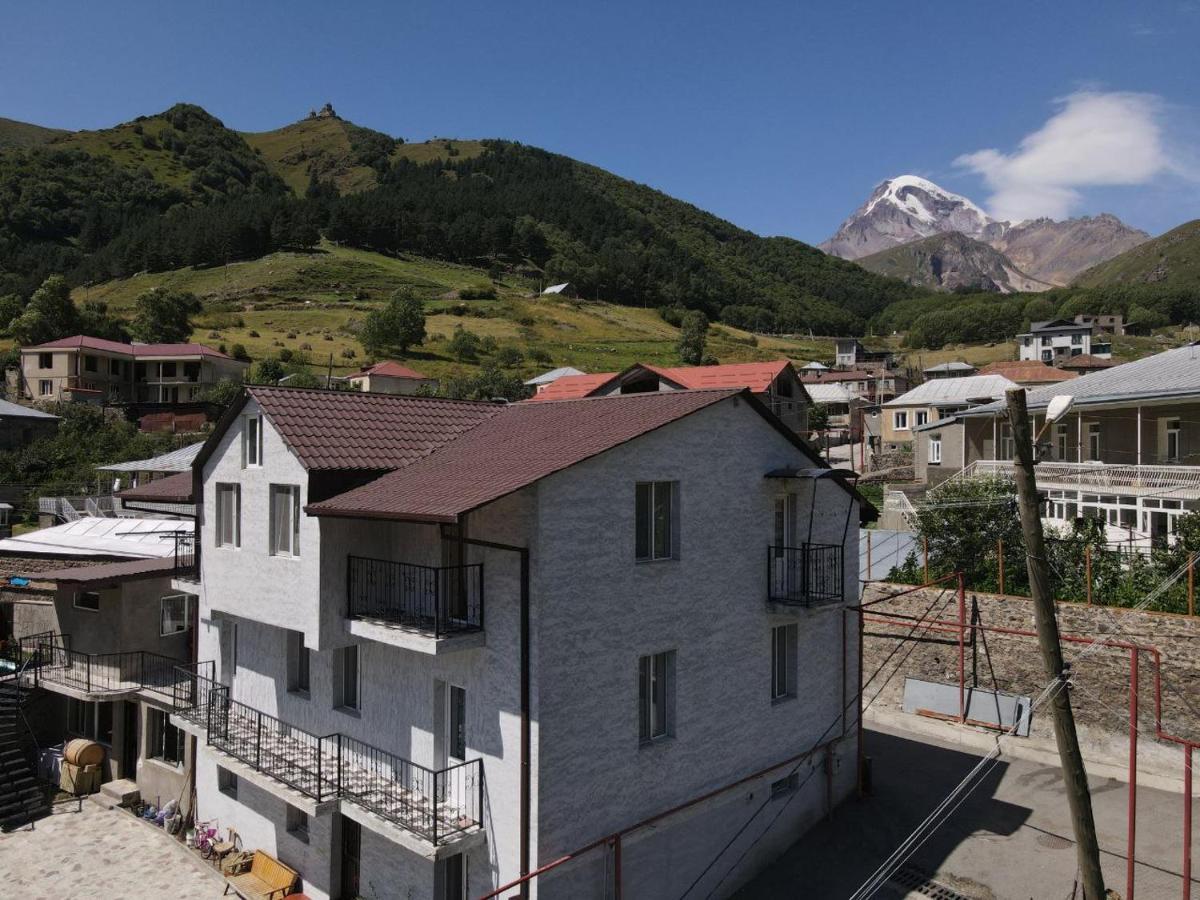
<point>267,878</point>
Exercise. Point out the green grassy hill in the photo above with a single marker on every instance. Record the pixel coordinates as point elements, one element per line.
<point>1170,259</point>
<point>311,303</point>
<point>23,134</point>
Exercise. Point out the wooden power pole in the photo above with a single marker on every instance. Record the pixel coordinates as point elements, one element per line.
<point>1074,774</point>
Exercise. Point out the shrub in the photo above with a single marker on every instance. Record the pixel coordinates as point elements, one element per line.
<point>239,352</point>
<point>508,357</point>
<point>464,345</point>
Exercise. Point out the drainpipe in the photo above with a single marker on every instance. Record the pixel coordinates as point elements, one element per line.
<point>525,701</point>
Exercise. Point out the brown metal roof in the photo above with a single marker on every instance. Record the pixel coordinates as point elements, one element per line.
<point>525,443</point>
<point>349,430</point>
<point>129,570</point>
<point>175,488</point>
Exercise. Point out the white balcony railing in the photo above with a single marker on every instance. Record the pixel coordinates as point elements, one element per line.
<point>1180,482</point>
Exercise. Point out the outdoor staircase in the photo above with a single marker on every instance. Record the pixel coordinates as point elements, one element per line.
<point>23,798</point>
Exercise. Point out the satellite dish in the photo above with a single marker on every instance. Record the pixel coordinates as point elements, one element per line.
<point>1058,407</point>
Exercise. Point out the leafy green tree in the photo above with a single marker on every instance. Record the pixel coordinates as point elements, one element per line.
<point>49,315</point>
<point>509,357</point>
<point>222,393</point>
<point>1143,320</point>
<point>1039,309</point>
<point>818,418</point>
<point>238,351</point>
<point>10,307</point>
<point>489,383</point>
<point>692,337</point>
<point>395,327</point>
<point>463,345</point>
<point>163,316</point>
<point>269,371</point>
<point>94,319</point>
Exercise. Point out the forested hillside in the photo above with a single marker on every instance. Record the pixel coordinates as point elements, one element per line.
<point>180,189</point>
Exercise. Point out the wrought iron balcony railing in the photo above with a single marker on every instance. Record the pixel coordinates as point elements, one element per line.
<point>439,600</point>
<point>435,804</point>
<point>808,575</point>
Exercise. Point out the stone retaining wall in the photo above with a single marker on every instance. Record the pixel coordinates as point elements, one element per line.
<point>1013,664</point>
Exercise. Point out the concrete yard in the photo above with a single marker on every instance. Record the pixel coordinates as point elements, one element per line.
<point>100,854</point>
<point>1010,839</point>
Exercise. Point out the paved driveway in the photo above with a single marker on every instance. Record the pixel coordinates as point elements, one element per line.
<point>99,854</point>
<point>1011,840</point>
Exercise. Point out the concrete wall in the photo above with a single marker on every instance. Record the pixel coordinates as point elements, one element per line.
<point>598,611</point>
<point>952,437</point>
<point>1101,696</point>
<point>129,618</point>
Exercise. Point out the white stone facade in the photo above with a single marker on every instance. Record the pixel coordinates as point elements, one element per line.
<point>594,612</point>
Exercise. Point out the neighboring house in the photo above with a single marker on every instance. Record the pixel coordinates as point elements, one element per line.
<point>955,369</point>
<point>389,377</point>
<point>1128,452</point>
<point>443,629</point>
<point>101,612</point>
<point>20,426</point>
<point>934,400</point>
<point>1027,372</point>
<point>813,368</point>
<point>775,383</point>
<point>142,471</point>
<point>540,382</point>
<point>1086,363</point>
<point>566,289</point>
<point>850,353</point>
<point>89,369</point>
<point>872,386</point>
<point>843,407</point>
<point>1100,323</point>
<point>1060,339</point>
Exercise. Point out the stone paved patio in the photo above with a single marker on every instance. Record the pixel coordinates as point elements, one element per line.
<point>99,854</point>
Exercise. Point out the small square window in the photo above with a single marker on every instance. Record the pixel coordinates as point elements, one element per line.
<point>89,600</point>
<point>784,786</point>
<point>922,417</point>
<point>174,614</point>
<point>297,823</point>
<point>900,420</point>
<point>45,387</point>
<point>227,782</point>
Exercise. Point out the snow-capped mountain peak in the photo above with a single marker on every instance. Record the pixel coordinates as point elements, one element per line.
<point>906,192</point>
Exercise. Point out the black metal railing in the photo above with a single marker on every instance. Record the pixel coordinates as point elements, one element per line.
<point>440,600</point>
<point>96,673</point>
<point>185,555</point>
<point>22,649</point>
<point>807,575</point>
<point>436,804</point>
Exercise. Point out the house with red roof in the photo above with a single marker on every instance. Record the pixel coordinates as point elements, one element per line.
<point>442,629</point>
<point>88,369</point>
<point>390,377</point>
<point>776,383</point>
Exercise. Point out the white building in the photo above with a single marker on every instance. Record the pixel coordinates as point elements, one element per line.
<point>456,640</point>
<point>1060,339</point>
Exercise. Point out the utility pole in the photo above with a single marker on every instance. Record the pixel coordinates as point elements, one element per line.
<point>1074,775</point>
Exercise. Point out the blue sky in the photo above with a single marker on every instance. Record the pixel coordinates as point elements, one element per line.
<point>780,116</point>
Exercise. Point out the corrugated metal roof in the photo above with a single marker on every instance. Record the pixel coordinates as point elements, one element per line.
<point>954,390</point>
<point>829,393</point>
<point>175,461</point>
<point>1171,374</point>
<point>129,570</point>
<point>553,375</point>
<point>175,488</point>
<point>758,377</point>
<point>134,538</point>
<point>15,410</point>
<point>1027,371</point>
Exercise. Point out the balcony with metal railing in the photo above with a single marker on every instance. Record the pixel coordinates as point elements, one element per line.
<point>431,609</point>
<point>805,576</point>
<point>1175,481</point>
<point>55,666</point>
<point>436,805</point>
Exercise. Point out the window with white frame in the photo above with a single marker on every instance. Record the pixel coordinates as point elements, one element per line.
<point>1008,447</point>
<point>783,661</point>
<point>656,696</point>
<point>655,514</point>
<point>922,417</point>
<point>1093,438</point>
<point>252,441</point>
<point>285,520</point>
<point>297,663</point>
<point>173,614</point>
<point>1172,448</point>
<point>348,678</point>
<point>164,741</point>
<point>229,515</point>
<point>900,420</point>
<point>935,451</point>
<point>45,387</point>
<point>1060,442</point>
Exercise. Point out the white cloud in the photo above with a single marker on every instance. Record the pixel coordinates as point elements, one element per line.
<point>1095,139</point>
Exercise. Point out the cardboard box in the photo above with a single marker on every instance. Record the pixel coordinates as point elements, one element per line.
<point>78,780</point>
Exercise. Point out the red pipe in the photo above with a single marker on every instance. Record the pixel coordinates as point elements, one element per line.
<point>962,649</point>
<point>1131,834</point>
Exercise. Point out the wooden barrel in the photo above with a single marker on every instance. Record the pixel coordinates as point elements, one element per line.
<point>82,752</point>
